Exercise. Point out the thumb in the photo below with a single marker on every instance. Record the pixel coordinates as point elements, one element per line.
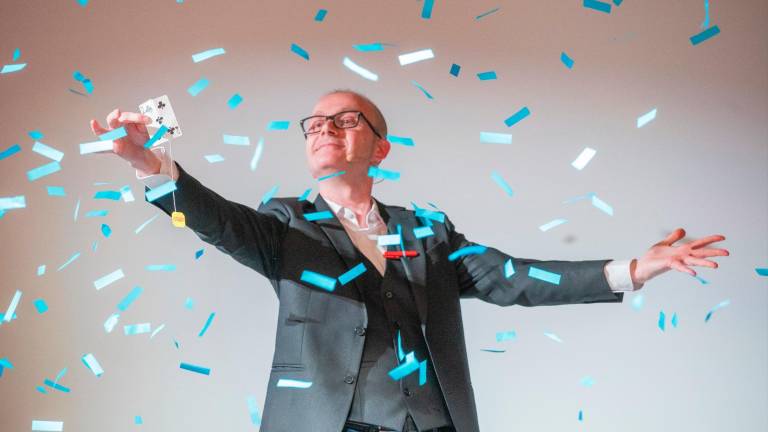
<point>673,237</point>
<point>96,128</point>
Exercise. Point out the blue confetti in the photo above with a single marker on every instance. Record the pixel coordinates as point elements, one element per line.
<point>495,138</point>
<point>316,216</point>
<point>161,267</point>
<point>130,298</point>
<point>320,15</point>
<point>108,195</point>
<point>41,270</point>
<point>377,173</point>
<point>106,230</point>
<point>43,170</point>
<point>328,176</point>
<point>236,140</point>
<point>253,409</point>
<point>194,368</point>
<point>291,383</point>
<point>56,386</point>
<point>71,259</point>
<point>205,55</point>
<point>581,415</point>
<point>144,224</point>
<point>467,250</point>
<point>35,135</point>
<point>207,324</point>
<point>49,152</point>
<point>56,191</point>
<point>113,134</point>
<point>455,69</point>
<point>109,279</point>
<point>567,61</point>
<point>762,271</point>
<point>485,76</point>
<point>270,193</point>
<point>673,321</point>
<point>161,190</point>
<point>257,154</point>
<point>305,195</point>
<point>506,336</point>
<point>429,214</point>
<point>376,46</point>
<point>543,275</point>
<point>598,6</point>
<point>234,101</point>
<point>503,184</point>
<point>214,158</point>
<point>553,336</point>
<point>278,125</point>
<point>41,306</point>
<point>706,34</point>
<point>493,350</point>
<point>356,68</point>
<point>91,363</point>
<point>516,117</point>
<point>138,420</point>
<point>662,320</point>
<point>299,51</point>
<point>15,202</point>
<point>318,280</point>
<point>406,141</point>
<point>551,224</point>
<point>198,86</point>
<point>485,14</point>
<point>10,68</point>
<point>426,10</point>
<point>199,253</point>
<point>704,24</point>
<point>352,273</point>
<point>406,368</point>
<point>136,329</point>
<point>423,90</point>
<point>422,232</point>
<point>509,268</point>
<point>16,54</point>
<point>646,118</point>
<point>720,305</point>
<point>156,136</point>
<point>10,151</point>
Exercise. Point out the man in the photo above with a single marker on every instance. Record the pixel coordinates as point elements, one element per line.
<point>346,337</point>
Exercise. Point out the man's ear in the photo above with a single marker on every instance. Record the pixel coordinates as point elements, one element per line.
<point>381,151</point>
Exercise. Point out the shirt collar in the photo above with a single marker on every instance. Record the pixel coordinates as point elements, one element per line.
<point>373,218</point>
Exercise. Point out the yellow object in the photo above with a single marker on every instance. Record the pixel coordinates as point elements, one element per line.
<point>178,219</point>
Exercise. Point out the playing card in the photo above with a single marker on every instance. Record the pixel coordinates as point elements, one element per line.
<point>161,112</point>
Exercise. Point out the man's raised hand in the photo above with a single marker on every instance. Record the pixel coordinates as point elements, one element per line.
<point>131,147</point>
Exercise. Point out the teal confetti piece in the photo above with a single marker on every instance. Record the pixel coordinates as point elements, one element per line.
<point>305,195</point>
<point>467,250</point>
<point>662,321</point>
<point>543,275</point>
<point>138,420</point>
<point>92,364</point>
<point>389,240</point>
<point>455,69</point>
<point>10,68</point>
<point>704,23</point>
<point>12,306</point>
<point>486,76</point>
<point>94,245</point>
<point>156,136</point>
<point>113,134</point>
<point>673,321</point>
<point>198,86</point>
<point>5,363</point>
<point>602,205</point>
<point>406,141</point>
<point>587,381</point>
<point>316,216</point>
<point>257,154</point>
<point>270,193</point>
<point>319,17</point>
<point>581,415</point>
<point>111,322</point>
<point>430,214</point>
<point>646,118</point>
<point>126,193</point>
<point>157,330</point>
<point>506,336</point>
<point>706,34</point>
<point>318,280</point>
<point>214,158</point>
<point>205,55</point>
<point>130,298</point>
<point>495,138</point>
<point>234,101</point>
<point>207,324</point>
<point>108,279</point>
<point>485,14</point>
<point>598,6</point>
<point>376,46</point>
<point>720,305</point>
<point>509,268</point>
<point>493,350</point>
<point>17,53</point>
<point>422,232</point>
<point>406,368</point>
<point>618,2</point>
<point>82,3</point>
<point>356,68</point>
<point>549,225</point>
<point>161,267</point>
<point>637,302</point>
<point>56,191</point>
<point>47,151</point>
<point>516,117</point>
<point>189,303</point>
<point>299,51</point>
<point>567,61</point>
<point>15,202</point>
<point>43,170</point>
<point>278,125</point>
<point>422,372</point>
<point>75,256</point>
<point>35,135</point>
<point>46,425</point>
<point>199,253</point>
<point>379,173</point>
<point>426,10</point>
<point>253,409</point>
<point>56,386</point>
<point>42,390</point>
<point>97,213</point>
<point>502,184</point>
<point>106,230</point>
<point>400,353</point>
<point>194,368</point>
<point>701,279</point>
<point>41,270</point>
<point>762,271</point>
<point>144,224</point>
<point>553,336</point>
<point>108,195</point>
<point>352,273</point>
<point>134,329</point>
<point>236,140</point>
<point>161,191</point>
<point>291,383</point>
<point>10,151</point>
<point>336,174</point>
<point>423,90</point>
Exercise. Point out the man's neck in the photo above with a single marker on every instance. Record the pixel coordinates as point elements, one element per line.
<point>355,196</point>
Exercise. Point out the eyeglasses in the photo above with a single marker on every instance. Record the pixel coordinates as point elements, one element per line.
<point>342,120</point>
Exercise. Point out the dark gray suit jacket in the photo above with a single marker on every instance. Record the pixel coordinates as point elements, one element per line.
<point>316,336</point>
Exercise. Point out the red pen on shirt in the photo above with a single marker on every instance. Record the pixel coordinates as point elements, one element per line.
<point>400,254</point>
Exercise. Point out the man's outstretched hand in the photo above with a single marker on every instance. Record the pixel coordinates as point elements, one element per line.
<point>131,147</point>
<point>663,256</point>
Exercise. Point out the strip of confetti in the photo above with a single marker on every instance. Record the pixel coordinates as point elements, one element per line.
<point>598,6</point>
<point>299,51</point>
<point>406,141</point>
<point>207,324</point>
<point>646,118</point>
<point>47,151</point>
<point>705,35</point>
<point>516,117</point>
<point>416,56</point>
<point>495,138</point>
<point>363,72</point>
<point>583,159</point>
<point>352,273</point>
<point>502,183</point>
<point>236,140</point>
<point>291,383</point>
<point>198,86</point>
<point>543,275</point>
<point>194,368</point>
<point>319,280</point>
<point>549,225</point>
<point>423,90</point>
<point>205,55</point>
<point>567,61</point>
<point>467,250</point>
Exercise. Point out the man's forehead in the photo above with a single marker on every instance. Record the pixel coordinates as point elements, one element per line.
<point>338,102</point>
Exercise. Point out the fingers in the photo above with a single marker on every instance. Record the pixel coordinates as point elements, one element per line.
<point>131,117</point>
<point>703,253</point>
<point>706,240</point>
<point>113,119</point>
<point>96,128</point>
<point>691,261</point>
<point>673,237</point>
<point>677,265</point>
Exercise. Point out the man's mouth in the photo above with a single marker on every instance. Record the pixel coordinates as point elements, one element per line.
<point>328,144</point>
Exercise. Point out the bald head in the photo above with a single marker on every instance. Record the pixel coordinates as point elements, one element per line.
<point>371,111</point>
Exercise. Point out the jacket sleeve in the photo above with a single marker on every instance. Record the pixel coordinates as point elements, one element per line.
<point>252,237</point>
<point>487,276</point>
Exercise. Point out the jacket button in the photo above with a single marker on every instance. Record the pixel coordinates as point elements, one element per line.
<point>360,331</point>
<point>407,392</point>
<point>349,379</point>
<point>388,294</point>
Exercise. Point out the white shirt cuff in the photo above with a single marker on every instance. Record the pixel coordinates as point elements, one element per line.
<point>619,278</point>
<point>164,176</point>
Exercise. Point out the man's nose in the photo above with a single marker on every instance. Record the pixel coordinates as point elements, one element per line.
<point>329,127</point>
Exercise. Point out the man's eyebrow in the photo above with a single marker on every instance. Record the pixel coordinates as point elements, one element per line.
<point>340,110</point>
